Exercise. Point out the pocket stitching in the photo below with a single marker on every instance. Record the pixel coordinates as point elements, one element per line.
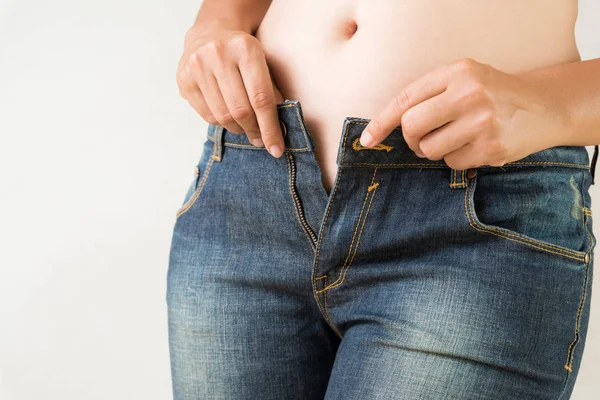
<point>513,236</point>
<point>197,192</point>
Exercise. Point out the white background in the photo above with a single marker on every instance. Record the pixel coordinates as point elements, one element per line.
<point>96,153</point>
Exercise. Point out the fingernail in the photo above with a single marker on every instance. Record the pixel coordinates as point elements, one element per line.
<point>257,142</point>
<point>276,150</point>
<point>420,155</point>
<point>366,139</point>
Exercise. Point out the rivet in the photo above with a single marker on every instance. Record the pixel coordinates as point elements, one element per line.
<point>196,171</point>
<point>471,172</point>
<point>587,257</point>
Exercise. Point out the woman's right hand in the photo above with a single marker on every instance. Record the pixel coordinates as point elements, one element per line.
<point>224,76</point>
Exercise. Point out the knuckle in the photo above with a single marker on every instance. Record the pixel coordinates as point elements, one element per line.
<point>471,94</point>
<point>401,101</point>
<point>496,147</point>
<point>182,81</point>
<point>183,93</point>
<point>485,121</point>
<point>261,100</point>
<point>210,118</point>
<point>427,151</point>
<point>239,111</point>
<point>226,118</point>
<point>213,47</point>
<point>477,88</point>
<point>253,134</point>
<point>408,124</point>
<point>465,64</point>
<point>241,42</point>
<point>194,60</point>
<point>451,163</point>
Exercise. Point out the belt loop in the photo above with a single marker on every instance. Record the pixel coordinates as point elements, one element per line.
<point>594,159</point>
<point>218,145</point>
<point>457,179</point>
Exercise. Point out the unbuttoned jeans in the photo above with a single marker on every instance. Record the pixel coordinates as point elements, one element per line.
<point>408,280</point>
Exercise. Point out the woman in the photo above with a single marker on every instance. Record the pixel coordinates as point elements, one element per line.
<point>392,202</point>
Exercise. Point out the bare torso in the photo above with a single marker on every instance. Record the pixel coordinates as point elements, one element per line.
<point>345,58</point>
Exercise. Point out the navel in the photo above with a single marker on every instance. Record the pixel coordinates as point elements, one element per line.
<point>349,28</point>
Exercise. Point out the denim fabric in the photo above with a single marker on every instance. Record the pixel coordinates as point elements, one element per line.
<point>408,280</point>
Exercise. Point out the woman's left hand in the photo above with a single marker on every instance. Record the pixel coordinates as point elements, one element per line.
<point>471,114</point>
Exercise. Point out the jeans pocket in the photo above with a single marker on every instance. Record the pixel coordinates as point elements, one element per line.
<point>199,181</point>
<point>543,208</point>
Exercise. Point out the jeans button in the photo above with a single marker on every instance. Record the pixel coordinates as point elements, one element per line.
<point>283,128</point>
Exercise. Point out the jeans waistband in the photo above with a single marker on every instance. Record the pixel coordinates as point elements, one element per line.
<point>392,152</point>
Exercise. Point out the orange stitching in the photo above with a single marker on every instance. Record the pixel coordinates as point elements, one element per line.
<point>297,207</point>
<point>585,166</point>
<point>286,105</point>
<point>327,317</point>
<point>380,146</point>
<point>579,256</point>
<point>219,139</point>
<point>571,350</point>
<point>316,293</point>
<point>460,184</point>
<point>192,200</point>
<point>349,259</point>
<point>321,277</point>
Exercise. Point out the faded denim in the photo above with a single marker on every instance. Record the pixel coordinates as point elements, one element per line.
<point>409,280</point>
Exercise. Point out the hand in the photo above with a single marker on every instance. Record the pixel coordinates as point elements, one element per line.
<point>471,114</point>
<point>223,74</point>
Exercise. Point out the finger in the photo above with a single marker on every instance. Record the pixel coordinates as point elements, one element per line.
<point>464,157</point>
<point>261,95</point>
<point>427,86</point>
<point>196,100</point>
<point>425,117</point>
<point>235,96</point>
<point>209,87</point>
<point>452,136</point>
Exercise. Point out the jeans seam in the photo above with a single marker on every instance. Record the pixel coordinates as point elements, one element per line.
<point>571,350</point>
<point>327,316</point>
<point>197,192</point>
<point>351,254</point>
<point>319,245</point>
<point>513,237</point>
<point>297,205</point>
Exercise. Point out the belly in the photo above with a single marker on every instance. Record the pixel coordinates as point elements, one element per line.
<point>350,58</point>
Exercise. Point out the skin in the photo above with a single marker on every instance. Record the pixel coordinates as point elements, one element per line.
<point>474,83</point>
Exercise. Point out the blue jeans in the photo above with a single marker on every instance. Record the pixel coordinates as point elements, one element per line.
<point>408,280</point>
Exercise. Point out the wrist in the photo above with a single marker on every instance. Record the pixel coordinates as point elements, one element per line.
<point>202,27</point>
<point>558,121</point>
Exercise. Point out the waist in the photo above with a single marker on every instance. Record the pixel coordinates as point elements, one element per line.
<point>392,152</point>
<point>352,57</point>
